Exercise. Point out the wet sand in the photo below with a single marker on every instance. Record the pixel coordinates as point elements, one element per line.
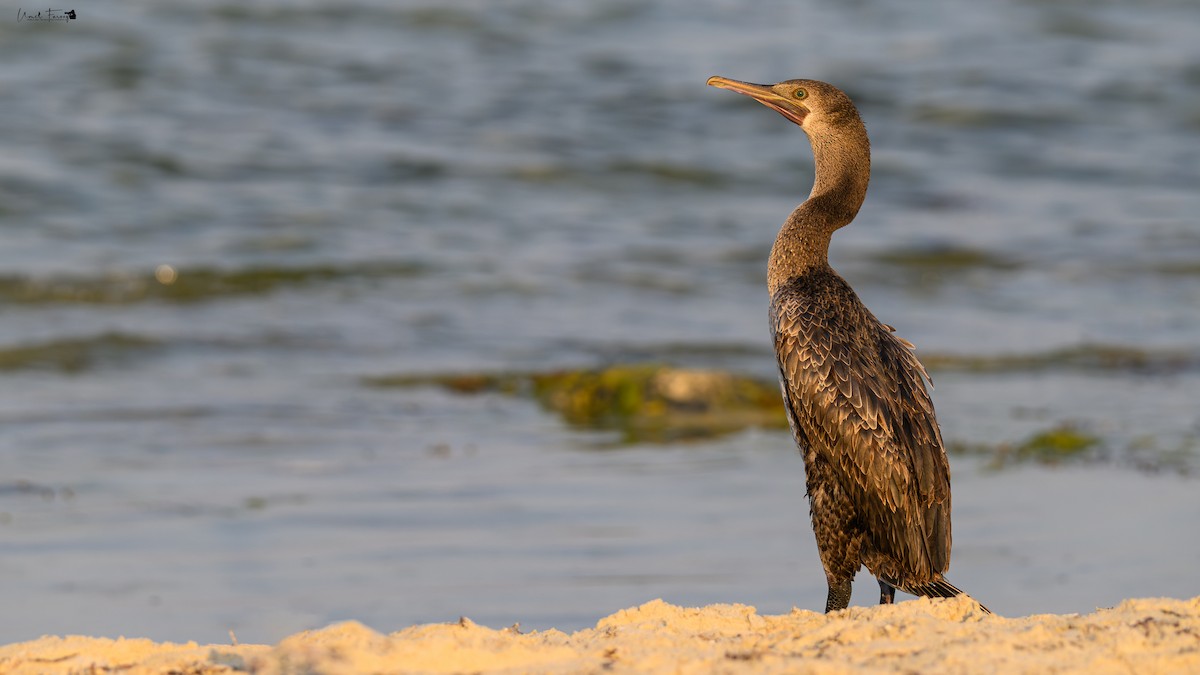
<point>950,636</point>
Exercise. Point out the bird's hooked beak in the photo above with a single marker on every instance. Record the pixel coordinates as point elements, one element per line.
<point>764,94</point>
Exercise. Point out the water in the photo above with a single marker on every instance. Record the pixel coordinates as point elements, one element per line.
<point>366,188</point>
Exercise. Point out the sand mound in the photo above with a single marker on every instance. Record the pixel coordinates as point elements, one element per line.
<point>1143,636</point>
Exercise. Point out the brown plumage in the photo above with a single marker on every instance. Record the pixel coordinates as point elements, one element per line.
<point>877,475</point>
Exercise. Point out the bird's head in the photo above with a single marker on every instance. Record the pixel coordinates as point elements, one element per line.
<point>811,104</point>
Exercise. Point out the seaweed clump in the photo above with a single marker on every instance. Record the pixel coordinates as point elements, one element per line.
<point>645,403</point>
<point>1059,444</point>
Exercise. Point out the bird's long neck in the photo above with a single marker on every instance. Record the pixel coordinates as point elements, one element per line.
<point>842,157</point>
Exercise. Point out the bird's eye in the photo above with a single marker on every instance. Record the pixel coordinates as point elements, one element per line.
<point>800,94</point>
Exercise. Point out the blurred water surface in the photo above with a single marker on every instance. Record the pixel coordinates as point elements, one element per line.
<point>344,190</point>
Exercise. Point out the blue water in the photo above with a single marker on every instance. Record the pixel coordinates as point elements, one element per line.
<point>355,189</point>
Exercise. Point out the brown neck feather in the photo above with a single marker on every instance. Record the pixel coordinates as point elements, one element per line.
<point>842,157</point>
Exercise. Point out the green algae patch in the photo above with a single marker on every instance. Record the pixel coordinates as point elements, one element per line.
<point>188,284</point>
<point>1070,443</point>
<point>76,355</point>
<point>1062,443</point>
<point>1087,357</point>
<point>659,403</point>
<point>644,403</point>
<point>1055,445</point>
<point>930,267</point>
<point>945,258</point>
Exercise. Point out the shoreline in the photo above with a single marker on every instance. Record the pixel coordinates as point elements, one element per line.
<point>1151,635</point>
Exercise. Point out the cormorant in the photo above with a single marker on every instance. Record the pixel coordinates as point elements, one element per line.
<point>877,476</point>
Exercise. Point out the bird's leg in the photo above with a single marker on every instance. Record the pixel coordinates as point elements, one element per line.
<point>839,595</point>
<point>887,593</point>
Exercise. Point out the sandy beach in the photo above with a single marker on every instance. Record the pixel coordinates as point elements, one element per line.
<point>947,636</point>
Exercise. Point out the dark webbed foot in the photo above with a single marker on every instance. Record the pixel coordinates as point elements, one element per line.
<point>839,596</point>
<point>887,593</point>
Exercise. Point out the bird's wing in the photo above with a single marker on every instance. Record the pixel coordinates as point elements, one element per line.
<point>856,396</point>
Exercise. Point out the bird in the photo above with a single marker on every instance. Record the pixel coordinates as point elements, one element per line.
<point>876,472</point>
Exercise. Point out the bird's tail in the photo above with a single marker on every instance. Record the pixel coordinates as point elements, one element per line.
<point>940,588</point>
